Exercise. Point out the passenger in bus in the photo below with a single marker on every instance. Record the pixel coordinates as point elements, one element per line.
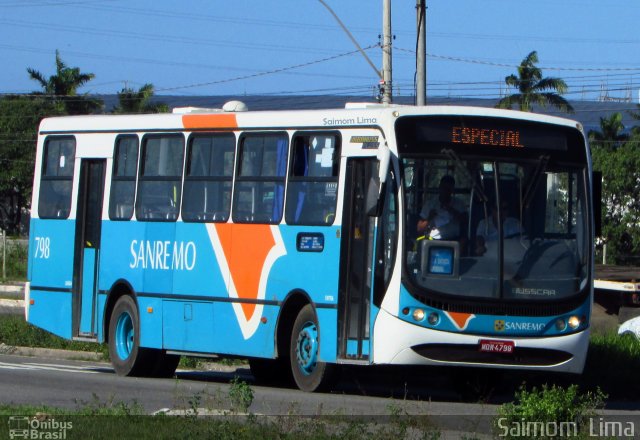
<point>440,218</point>
<point>487,231</point>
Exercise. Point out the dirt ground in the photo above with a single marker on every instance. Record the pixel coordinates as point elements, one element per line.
<point>609,312</point>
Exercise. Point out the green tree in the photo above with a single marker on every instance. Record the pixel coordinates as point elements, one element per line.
<point>534,89</point>
<point>611,133</point>
<point>620,169</point>
<point>62,88</point>
<point>138,101</point>
<point>19,119</point>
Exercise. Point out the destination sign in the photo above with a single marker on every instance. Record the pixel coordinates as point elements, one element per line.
<point>424,134</point>
<point>486,136</point>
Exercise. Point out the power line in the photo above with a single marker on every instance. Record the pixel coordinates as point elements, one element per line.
<point>268,72</point>
<point>490,63</point>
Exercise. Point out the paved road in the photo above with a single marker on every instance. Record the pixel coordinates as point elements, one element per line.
<point>73,384</point>
<point>68,383</point>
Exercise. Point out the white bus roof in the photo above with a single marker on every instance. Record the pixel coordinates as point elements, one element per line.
<point>354,115</point>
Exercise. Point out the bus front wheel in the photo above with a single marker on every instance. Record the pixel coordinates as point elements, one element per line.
<point>127,357</point>
<point>309,373</point>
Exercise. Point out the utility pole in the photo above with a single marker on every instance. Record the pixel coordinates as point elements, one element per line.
<point>421,53</point>
<point>386,82</point>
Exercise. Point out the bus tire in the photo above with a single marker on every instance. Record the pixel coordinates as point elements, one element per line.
<point>127,357</point>
<point>309,373</point>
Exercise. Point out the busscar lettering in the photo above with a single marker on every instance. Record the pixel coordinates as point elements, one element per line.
<point>162,255</point>
<point>486,136</point>
<point>533,291</point>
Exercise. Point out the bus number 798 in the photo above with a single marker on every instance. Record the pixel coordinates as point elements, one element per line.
<point>43,246</point>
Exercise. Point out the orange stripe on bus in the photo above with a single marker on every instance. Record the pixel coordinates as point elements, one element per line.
<point>222,120</point>
<point>246,249</point>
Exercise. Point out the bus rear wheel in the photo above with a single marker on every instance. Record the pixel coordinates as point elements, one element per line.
<point>127,357</point>
<point>309,373</point>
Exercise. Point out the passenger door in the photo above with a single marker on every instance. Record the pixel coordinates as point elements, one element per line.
<point>356,261</point>
<point>87,247</point>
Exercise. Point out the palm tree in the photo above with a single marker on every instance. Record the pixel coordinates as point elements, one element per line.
<point>635,115</point>
<point>611,133</point>
<point>132,101</point>
<point>63,88</point>
<point>534,89</point>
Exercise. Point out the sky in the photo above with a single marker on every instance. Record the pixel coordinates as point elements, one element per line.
<point>291,47</point>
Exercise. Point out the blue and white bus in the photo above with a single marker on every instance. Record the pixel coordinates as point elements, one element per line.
<point>297,239</point>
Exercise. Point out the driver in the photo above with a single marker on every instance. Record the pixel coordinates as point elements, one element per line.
<point>440,218</point>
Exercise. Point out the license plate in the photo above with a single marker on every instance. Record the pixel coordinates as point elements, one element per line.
<point>493,346</point>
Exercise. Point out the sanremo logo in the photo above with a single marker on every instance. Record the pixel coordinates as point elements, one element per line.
<point>498,325</point>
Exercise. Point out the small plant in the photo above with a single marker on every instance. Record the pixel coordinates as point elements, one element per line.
<point>190,362</point>
<point>111,407</point>
<point>194,404</point>
<point>549,412</point>
<point>241,395</point>
<point>403,425</point>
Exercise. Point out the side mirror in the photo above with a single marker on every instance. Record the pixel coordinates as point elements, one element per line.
<point>384,157</point>
<point>376,187</point>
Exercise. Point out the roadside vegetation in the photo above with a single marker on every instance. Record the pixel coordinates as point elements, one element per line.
<point>15,332</point>
<point>15,262</point>
<point>613,363</point>
<point>548,412</point>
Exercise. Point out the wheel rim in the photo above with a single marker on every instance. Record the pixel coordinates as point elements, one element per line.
<point>124,336</point>
<point>307,348</point>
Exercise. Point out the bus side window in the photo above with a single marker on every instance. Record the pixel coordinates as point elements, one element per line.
<point>123,181</point>
<point>56,183</point>
<point>313,179</point>
<point>159,184</point>
<point>209,173</point>
<point>260,176</point>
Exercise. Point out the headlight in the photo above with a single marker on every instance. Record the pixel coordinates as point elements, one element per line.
<point>561,324</point>
<point>418,314</point>
<point>574,322</point>
<point>433,318</point>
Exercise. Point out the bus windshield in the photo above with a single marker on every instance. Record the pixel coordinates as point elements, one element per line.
<point>496,225</point>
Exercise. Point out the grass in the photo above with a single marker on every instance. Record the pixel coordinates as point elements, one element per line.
<point>14,331</point>
<point>613,363</point>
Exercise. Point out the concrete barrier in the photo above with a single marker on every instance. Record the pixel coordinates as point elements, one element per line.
<point>12,290</point>
<point>11,306</point>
